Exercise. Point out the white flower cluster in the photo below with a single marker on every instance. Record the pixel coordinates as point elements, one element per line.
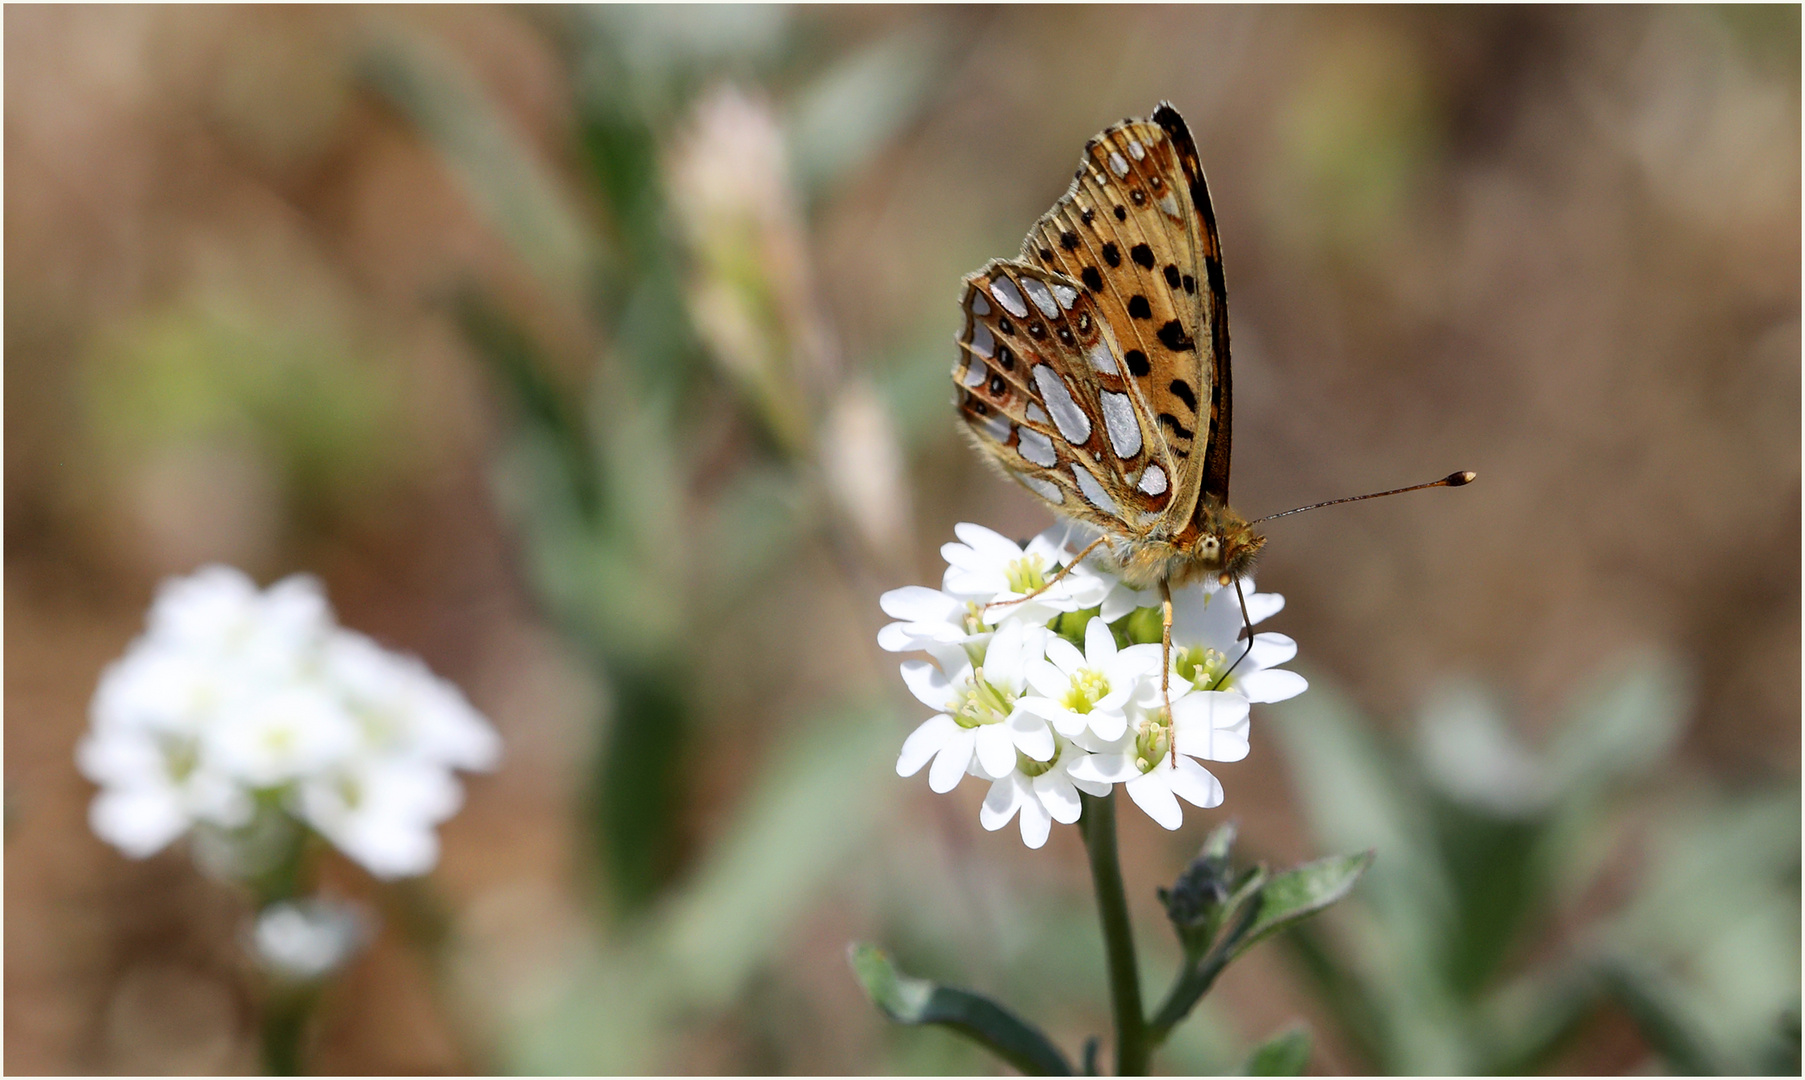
<point>237,703</point>
<point>1019,704</point>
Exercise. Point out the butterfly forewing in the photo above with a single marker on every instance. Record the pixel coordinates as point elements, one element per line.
<point>1095,369</point>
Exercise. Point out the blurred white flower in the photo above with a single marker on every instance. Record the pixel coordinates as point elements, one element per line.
<point>306,940</point>
<point>236,697</point>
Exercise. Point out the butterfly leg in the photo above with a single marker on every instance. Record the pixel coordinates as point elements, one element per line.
<point>1063,571</point>
<point>1246,628</point>
<point>1165,666</point>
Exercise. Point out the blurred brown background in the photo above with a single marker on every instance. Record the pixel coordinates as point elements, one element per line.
<point>1560,247</point>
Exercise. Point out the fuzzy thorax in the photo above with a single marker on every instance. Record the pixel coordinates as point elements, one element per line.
<point>1218,544</point>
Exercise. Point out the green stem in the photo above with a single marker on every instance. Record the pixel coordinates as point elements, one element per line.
<point>1098,824</point>
<point>284,1025</point>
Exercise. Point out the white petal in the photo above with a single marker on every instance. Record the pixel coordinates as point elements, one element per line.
<point>1151,793</point>
<point>1214,743</point>
<point>1065,655</point>
<point>1104,768</point>
<point>1120,690</point>
<point>137,821</point>
<point>991,545</point>
<point>928,683</point>
<point>1006,658</point>
<point>950,764</point>
<point>923,743</point>
<point>1271,650</point>
<point>1036,823</point>
<point>1030,735</point>
<point>1109,726</point>
<point>963,557</point>
<point>1047,680</point>
<point>1262,606</point>
<point>976,584</point>
<point>1195,784</point>
<point>1055,791</point>
<point>1090,787</point>
<point>1099,644</point>
<point>1137,660</point>
<point>996,749</point>
<point>1209,709</point>
<point>898,637</point>
<point>918,603</point>
<point>1120,601</point>
<point>1271,685</point>
<point>1001,802</point>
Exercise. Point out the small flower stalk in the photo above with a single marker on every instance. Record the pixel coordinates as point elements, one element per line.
<point>248,722</point>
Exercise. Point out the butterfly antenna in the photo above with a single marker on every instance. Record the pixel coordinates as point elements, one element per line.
<point>1246,628</point>
<point>1459,479</point>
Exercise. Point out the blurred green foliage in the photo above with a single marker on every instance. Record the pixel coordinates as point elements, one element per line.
<point>220,369</point>
<point>637,534</point>
<point>1500,917</point>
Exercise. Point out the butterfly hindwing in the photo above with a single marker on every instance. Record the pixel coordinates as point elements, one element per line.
<point>1042,392</point>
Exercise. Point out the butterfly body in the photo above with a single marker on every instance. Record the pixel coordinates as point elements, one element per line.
<point>1094,369</point>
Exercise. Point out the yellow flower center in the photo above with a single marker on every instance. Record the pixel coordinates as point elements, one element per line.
<point>982,703</point>
<point>1088,687</point>
<point>1031,768</point>
<point>1203,667</point>
<point>1027,574</point>
<point>1152,740</point>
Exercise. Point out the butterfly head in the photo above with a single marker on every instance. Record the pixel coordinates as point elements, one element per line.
<point>1225,546</point>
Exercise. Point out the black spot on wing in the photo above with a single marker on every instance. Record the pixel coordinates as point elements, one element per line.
<point>1112,254</point>
<point>1173,337</point>
<point>1139,308</point>
<point>1183,391</point>
<point>1142,255</point>
<point>1137,362</point>
<point>1171,276</point>
<point>1068,240</point>
<point>1178,429</point>
<point>1092,280</point>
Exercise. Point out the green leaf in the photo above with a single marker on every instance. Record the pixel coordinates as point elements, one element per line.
<point>1285,1054</point>
<point>1300,892</point>
<point>1624,723</point>
<point>493,160</point>
<point>909,1000</point>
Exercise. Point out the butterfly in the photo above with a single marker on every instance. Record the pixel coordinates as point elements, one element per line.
<point>1094,369</point>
